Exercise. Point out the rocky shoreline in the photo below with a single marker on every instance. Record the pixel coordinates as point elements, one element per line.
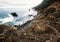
<point>45,27</point>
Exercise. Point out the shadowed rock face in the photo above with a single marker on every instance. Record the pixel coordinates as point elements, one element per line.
<point>1,30</point>
<point>45,4</point>
<point>58,40</point>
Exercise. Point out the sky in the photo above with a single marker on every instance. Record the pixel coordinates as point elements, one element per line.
<point>19,3</point>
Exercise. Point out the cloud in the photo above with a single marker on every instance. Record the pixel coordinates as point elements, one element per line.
<point>19,3</point>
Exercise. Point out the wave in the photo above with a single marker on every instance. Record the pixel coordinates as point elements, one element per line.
<point>21,19</point>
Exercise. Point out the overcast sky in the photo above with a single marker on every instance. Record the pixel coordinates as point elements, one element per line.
<point>19,3</point>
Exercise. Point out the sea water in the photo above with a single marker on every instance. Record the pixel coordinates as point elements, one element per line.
<point>23,15</point>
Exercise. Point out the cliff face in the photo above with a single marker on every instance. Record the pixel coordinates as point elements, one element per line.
<point>46,25</point>
<point>50,16</point>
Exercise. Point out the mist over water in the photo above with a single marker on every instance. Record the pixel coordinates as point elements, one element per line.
<point>21,7</point>
<point>23,15</point>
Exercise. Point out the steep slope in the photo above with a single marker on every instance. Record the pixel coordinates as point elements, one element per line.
<point>8,34</point>
<point>45,26</point>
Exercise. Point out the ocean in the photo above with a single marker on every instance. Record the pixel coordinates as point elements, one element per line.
<point>24,15</point>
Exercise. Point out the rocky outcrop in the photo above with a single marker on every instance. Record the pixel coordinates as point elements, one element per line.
<point>8,34</point>
<point>45,26</point>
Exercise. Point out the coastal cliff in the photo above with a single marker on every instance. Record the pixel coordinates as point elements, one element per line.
<point>45,27</point>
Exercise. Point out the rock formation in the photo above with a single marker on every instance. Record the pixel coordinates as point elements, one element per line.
<point>45,27</point>
<point>14,14</point>
<point>8,34</point>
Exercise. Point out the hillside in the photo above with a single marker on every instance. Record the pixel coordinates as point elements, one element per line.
<point>45,27</point>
